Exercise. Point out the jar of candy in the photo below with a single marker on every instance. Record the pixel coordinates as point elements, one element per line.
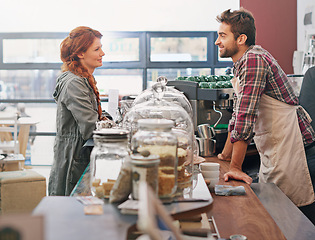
<point>109,153</point>
<point>155,137</point>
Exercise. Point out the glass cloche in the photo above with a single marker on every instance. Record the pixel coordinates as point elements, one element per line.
<point>168,93</point>
<point>156,107</point>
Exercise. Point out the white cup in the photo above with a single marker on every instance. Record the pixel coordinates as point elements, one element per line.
<point>213,182</point>
<point>210,174</point>
<point>209,166</point>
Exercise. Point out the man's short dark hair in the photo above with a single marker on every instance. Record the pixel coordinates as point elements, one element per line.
<point>241,22</point>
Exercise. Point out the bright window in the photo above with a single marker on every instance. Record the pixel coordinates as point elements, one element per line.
<point>31,50</point>
<point>178,49</point>
<point>120,49</point>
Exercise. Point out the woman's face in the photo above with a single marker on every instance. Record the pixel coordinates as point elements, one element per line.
<point>92,58</point>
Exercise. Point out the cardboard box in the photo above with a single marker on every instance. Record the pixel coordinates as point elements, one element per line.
<point>21,191</point>
<point>12,162</point>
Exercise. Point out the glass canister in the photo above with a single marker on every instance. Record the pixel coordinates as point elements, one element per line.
<point>155,137</point>
<point>184,167</point>
<point>144,168</point>
<point>109,153</point>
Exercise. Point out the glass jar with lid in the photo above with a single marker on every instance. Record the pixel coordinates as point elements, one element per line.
<point>144,168</point>
<point>109,153</point>
<point>155,137</point>
<point>184,167</point>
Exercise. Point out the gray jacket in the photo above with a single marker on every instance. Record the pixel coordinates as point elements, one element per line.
<point>76,117</point>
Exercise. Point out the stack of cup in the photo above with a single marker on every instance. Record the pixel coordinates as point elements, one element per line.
<point>210,171</point>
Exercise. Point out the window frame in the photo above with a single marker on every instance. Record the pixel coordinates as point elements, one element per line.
<point>144,62</point>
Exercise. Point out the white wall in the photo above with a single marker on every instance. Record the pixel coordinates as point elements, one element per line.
<point>112,15</point>
<point>304,6</point>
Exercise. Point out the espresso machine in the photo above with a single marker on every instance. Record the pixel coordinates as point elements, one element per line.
<point>212,107</point>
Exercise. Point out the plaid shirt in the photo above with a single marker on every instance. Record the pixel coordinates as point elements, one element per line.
<point>259,73</point>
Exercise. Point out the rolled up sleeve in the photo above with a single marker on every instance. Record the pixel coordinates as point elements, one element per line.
<point>252,79</point>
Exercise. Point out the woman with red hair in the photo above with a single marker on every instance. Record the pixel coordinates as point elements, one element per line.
<point>78,107</point>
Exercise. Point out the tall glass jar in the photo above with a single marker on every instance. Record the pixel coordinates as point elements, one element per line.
<point>144,168</point>
<point>155,137</point>
<point>107,157</point>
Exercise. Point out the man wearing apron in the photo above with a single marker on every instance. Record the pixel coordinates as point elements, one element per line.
<point>266,109</point>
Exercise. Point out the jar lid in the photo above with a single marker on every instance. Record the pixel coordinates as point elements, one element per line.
<point>154,123</point>
<point>139,159</point>
<point>111,133</point>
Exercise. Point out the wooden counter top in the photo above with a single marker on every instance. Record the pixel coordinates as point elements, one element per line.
<point>262,213</point>
<point>248,215</point>
<point>242,214</point>
<point>112,224</point>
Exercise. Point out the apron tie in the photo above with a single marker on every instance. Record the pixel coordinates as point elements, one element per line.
<point>303,113</point>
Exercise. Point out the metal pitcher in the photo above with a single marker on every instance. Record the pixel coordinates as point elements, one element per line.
<point>206,146</point>
<point>206,131</point>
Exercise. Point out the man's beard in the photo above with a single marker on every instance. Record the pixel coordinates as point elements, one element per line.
<point>229,52</point>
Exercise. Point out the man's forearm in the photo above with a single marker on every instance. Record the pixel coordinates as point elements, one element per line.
<point>238,154</point>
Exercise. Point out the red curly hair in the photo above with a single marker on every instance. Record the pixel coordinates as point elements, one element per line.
<point>78,41</point>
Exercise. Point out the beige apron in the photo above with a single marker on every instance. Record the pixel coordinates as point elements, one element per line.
<point>280,145</point>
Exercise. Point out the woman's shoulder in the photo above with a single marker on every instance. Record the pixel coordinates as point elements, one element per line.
<point>69,76</point>
<point>76,83</point>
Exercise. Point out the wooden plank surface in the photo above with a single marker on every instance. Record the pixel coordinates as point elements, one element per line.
<point>112,224</point>
<point>242,214</point>
<point>64,219</point>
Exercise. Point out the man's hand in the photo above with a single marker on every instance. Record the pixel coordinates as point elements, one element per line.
<point>238,155</point>
<point>237,174</point>
<point>223,157</point>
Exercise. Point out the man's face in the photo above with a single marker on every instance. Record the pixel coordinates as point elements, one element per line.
<point>227,44</point>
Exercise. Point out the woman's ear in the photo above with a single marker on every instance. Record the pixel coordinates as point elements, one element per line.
<point>80,55</point>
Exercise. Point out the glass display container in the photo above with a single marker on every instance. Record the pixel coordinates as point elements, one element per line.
<point>155,137</point>
<point>157,107</point>
<point>109,153</point>
<point>167,93</point>
<point>124,107</point>
<point>185,154</point>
